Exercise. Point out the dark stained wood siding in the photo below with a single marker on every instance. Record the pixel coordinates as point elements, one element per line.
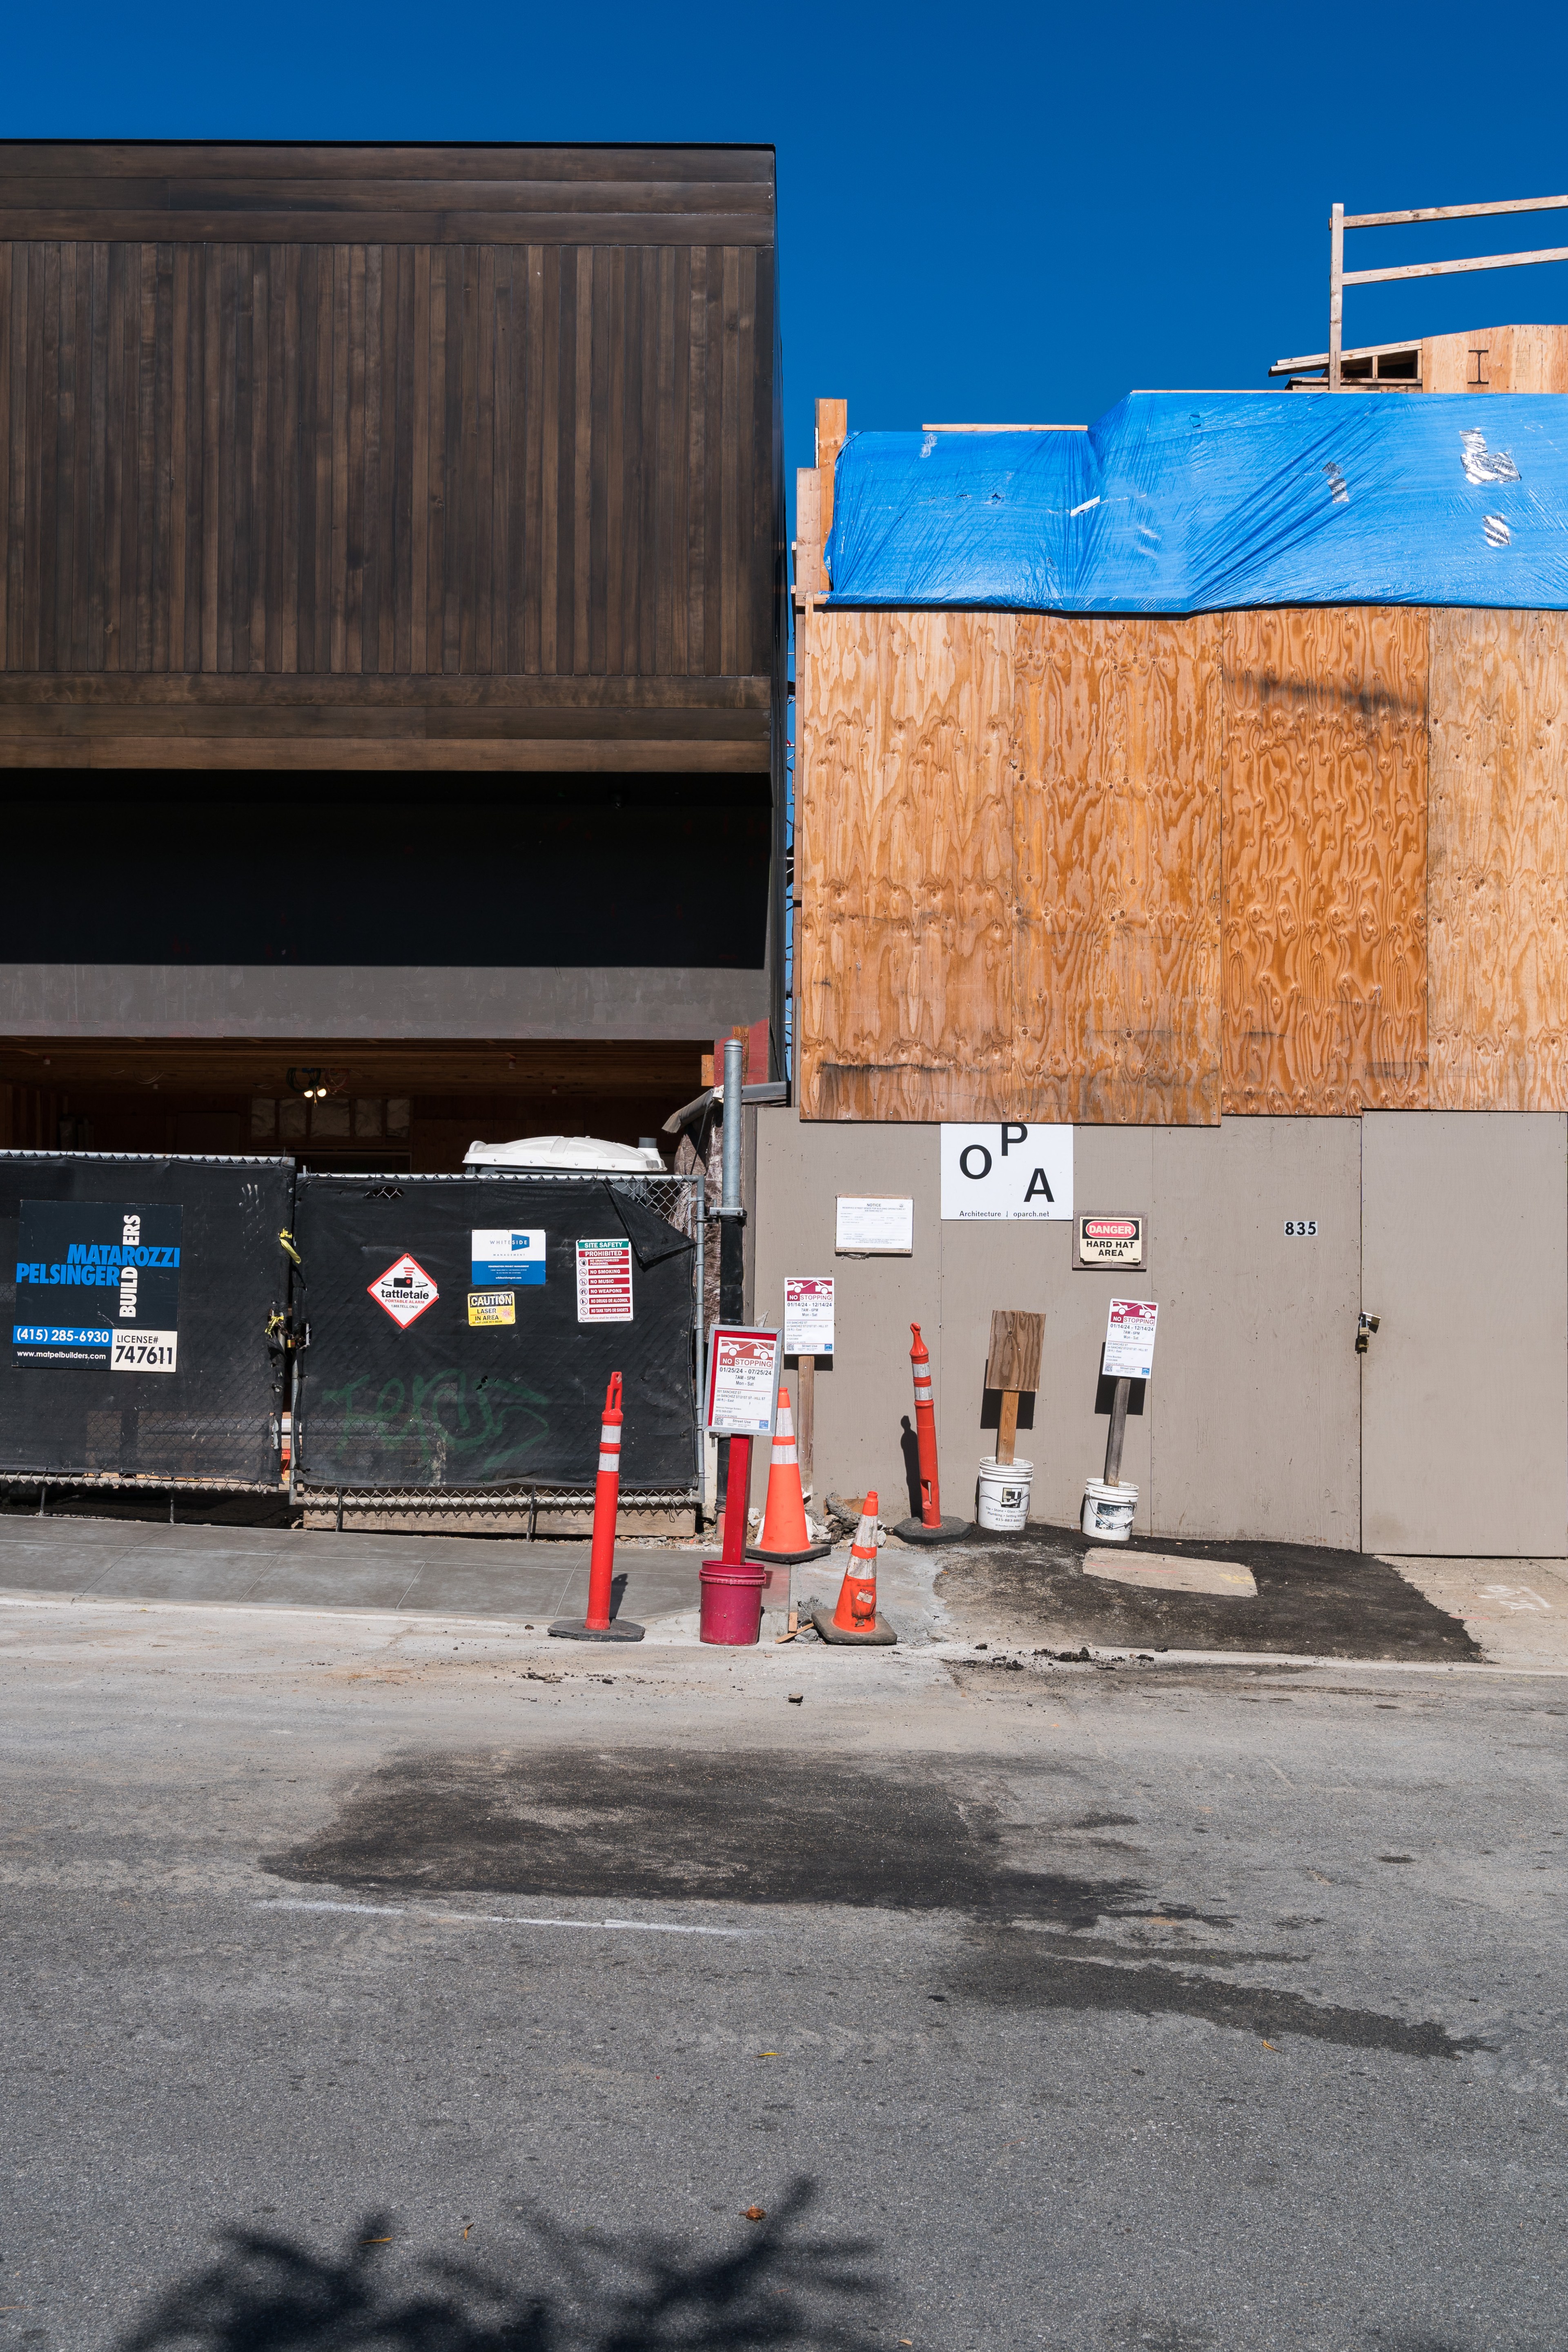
<point>504,414</point>
<point>388,459</point>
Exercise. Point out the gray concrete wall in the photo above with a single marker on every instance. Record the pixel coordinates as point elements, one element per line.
<point>55,999</point>
<point>1252,1421</point>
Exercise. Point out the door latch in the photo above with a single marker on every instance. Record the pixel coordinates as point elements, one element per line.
<point>1365,1325</point>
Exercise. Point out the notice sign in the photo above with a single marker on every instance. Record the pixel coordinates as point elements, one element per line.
<point>98,1282</point>
<point>871,1226</point>
<point>1009,1172</point>
<point>605,1282</point>
<point>489,1309</point>
<point>1108,1241</point>
<point>808,1314</point>
<point>406,1290</point>
<point>1129,1339</point>
<point>503,1254</point>
<point>742,1381</point>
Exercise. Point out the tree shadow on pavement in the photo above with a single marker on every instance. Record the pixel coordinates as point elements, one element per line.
<point>564,2292</point>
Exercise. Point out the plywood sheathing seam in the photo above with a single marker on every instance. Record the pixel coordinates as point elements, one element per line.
<point>1499,861</point>
<point>1325,859</point>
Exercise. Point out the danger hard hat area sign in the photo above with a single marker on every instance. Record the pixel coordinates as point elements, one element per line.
<point>1111,1241</point>
<point>406,1290</point>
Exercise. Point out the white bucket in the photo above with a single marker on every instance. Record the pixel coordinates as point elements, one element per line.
<point>1107,1510</point>
<point>1004,1504</point>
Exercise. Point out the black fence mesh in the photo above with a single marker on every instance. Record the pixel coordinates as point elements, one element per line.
<point>138,1293</point>
<point>438,1360</point>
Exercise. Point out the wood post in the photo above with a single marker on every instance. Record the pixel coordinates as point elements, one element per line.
<point>1007,1427</point>
<point>806,1416</point>
<point>810,579</point>
<point>832,432</point>
<point>1116,1433</point>
<point>1336,294</point>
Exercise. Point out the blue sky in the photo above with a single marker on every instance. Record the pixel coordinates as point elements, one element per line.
<point>999,213</point>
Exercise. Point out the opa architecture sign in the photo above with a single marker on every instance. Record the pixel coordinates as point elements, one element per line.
<point>1010,1170</point>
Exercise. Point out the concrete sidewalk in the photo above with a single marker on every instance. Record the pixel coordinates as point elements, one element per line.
<point>1044,1592</point>
<point>83,1558</point>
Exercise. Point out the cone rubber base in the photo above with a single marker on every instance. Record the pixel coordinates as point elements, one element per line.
<point>916,1531</point>
<point>877,1636</point>
<point>576,1629</point>
<point>787,1559</point>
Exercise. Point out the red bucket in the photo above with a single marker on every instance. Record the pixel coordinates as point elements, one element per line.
<point>732,1601</point>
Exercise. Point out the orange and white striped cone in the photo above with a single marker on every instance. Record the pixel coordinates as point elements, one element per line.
<point>785,1539</point>
<point>599,1625</point>
<point>856,1618</point>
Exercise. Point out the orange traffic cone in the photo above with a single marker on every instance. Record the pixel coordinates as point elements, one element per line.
<point>856,1618</point>
<point>785,1537</point>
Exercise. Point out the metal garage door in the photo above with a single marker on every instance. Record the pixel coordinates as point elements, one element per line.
<point>1465,1385</point>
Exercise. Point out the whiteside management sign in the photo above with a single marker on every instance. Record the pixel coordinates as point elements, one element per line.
<point>1007,1171</point>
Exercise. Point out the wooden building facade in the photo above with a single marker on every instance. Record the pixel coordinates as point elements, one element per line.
<point>420,502</point>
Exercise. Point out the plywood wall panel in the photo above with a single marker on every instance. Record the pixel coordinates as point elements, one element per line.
<point>904,861</point>
<point>1008,862</point>
<point>1116,834</point>
<point>1499,861</point>
<point>1497,359</point>
<point>1325,860</point>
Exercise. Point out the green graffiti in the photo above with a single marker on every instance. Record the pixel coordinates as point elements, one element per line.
<point>480,1425</point>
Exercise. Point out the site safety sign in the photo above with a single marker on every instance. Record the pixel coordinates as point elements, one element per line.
<point>605,1282</point>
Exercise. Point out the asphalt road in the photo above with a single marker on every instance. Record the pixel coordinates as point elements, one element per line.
<point>376,1984</point>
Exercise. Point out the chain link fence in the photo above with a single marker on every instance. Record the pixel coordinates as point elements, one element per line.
<point>97,1248</point>
<point>517,1505</point>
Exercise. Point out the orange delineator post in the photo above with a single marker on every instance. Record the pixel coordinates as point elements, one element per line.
<point>925,1432</point>
<point>737,1496</point>
<point>606,1499</point>
<point>857,1610</point>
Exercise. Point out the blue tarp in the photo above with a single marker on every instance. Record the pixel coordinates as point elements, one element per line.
<point>1190,502</point>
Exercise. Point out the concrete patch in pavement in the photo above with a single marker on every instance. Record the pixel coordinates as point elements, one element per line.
<point>1155,1571</point>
